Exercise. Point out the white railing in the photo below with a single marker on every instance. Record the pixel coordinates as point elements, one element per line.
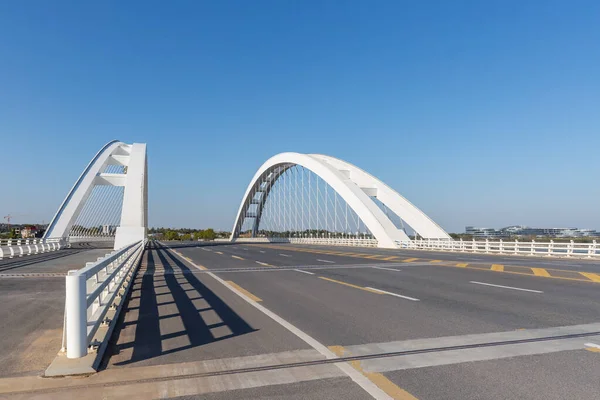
<point>94,290</point>
<point>533,248</point>
<point>23,247</point>
<point>317,241</point>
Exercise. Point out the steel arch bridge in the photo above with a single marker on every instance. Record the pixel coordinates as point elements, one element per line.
<point>109,200</point>
<point>362,193</point>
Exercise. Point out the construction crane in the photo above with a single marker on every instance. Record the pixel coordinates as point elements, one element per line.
<point>7,218</point>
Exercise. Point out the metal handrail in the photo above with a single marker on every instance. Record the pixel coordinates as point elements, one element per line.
<point>91,291</point>
<point>516,247</point>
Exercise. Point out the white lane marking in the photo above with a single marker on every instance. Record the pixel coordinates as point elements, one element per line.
<point>507,287</point>
<point>352,373</point>
<point>594,345</point>
<point>284,255</point>
<point>393,294</point>
<point>387,269</point>
<point>305,272</point>
<point>218,252</point>
<point>205,249</point>
<point>244,248</point>
<point>331,262</point>
<point>262,263</point>
<point>262,251</point>
<point>239,258</point>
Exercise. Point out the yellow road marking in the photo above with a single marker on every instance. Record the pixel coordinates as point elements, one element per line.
<point>590,276</point>
<point>375,256</point>
<point>350,285</point>
<point>218,252</point>
<point>383,383</point>
<point>586,276</point>
<point>540,272</point>
<point>239,258</point>
<point>497,267</point>
<point>265,264</point>
<point>410,259</point>
<point>593,349</point>
<point>202,267</point>
<point>243,291</point>
<point>390,258</point>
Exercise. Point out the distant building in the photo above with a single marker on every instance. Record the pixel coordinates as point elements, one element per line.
<point>28,231</point>
<point>521,230</point>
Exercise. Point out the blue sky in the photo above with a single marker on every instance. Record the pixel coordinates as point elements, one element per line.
<point>480,112</point>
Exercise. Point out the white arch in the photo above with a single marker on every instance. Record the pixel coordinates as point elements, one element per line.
<point>134,214</point>
<point>355,186</point>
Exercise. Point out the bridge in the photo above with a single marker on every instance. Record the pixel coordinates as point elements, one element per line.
<point>332,285</point>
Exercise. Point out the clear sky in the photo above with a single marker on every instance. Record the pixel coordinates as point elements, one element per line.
<point>481,113</point>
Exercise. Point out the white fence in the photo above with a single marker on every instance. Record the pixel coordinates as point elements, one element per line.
<point>533,248</point>
<point>93,291</point>
<point>317,241</point>
<point>22,247</point>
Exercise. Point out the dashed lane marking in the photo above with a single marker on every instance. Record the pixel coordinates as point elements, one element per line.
<point>552,273</point>
<point>593,347</point>
<point>351,285</point>
<point>262,263</point>
<point>244,291</point>
<point>304,272</point>
<point>218,252</point>
<point>326,261</point>
<point>387,269</point>
<point>393,294</point>
<point>238,258</point>
<point>284,255</point>
<point>506,287</point>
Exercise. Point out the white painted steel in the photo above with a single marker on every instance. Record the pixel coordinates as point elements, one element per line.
<point>354,186</point>
<point>134,213</point>
<point>533,248</point>
<point>21,247</point>
<point>90,292</point>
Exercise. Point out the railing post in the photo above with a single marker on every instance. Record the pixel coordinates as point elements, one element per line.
<point>532,251</point>
<point>501,247</point>
<point>570,248</point>
<point>76,305</point>
<point>487,245</point>
<point>516,246</point>
<point>592,249</point>
<point>551,247</point>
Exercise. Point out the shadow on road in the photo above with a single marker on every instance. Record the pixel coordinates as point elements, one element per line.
<point>167,304</point>
<point>8,264</point>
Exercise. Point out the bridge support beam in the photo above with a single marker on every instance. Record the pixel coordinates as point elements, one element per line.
<point>134,214</point>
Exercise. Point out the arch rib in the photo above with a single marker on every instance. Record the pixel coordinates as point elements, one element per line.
<point>350,183</point>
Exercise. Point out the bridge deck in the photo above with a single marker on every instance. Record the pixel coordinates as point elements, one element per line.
<point>421,325</point>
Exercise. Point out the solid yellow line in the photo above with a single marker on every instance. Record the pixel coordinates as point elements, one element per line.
<point>593,349</point>
<point>435,261</point>
<point>201,267</point>
<point>239,258</point>
<point>243,291</point>
<point>590,276</point>
<point>540,272</point>
<point>350,285</point>
<point>390,258</point>
<point>383,383</point>
<point>375,256</point>
<point>410,260</point>
<point>497,267</point>
<point>462,265</point>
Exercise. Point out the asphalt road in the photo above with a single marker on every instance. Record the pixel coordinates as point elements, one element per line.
<point>32,301</point>
<point>299,322</point>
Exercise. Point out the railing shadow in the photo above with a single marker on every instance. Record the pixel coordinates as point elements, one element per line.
<point>8,264</point>
<point>148,340</point>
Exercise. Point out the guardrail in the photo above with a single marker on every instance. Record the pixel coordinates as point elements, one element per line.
<point>23,247</point>
<point>91,292</point>
<point>317,241</point>
<point>533,248</point>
